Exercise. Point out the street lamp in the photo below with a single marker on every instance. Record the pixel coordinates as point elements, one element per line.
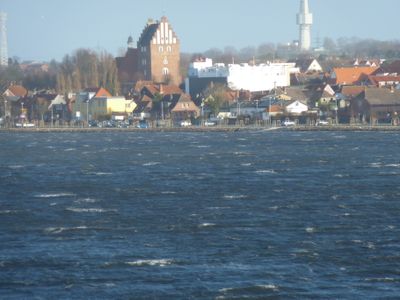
<point>87,112</point>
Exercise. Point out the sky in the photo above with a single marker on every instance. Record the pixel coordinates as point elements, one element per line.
<point>49,29</point>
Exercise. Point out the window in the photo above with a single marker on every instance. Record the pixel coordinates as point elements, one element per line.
<point>165,71</point>
<point>169,49</point>
<point>161,49</point>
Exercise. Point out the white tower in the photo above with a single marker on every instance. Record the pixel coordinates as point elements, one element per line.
<point>3,40</point>
<point>305,20</point>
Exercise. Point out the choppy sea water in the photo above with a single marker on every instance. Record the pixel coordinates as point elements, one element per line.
<point>256,215</point>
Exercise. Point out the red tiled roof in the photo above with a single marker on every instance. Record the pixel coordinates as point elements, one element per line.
<point>18,90</point>
<point>352,91</point>
<point>352,75</point>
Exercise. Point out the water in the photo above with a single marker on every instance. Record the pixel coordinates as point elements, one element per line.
<point>257,215</point>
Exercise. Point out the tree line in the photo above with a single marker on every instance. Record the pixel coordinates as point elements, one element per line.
<point>85,68</point>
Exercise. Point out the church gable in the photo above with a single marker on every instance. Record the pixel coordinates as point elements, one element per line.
<point>164,35</point>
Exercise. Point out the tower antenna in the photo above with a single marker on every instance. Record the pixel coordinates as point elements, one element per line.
<point>3,40</point>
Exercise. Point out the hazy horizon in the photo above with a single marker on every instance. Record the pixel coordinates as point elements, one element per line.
<point>49,29</point>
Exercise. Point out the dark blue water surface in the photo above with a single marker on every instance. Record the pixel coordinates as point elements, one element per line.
<point>257,215</point>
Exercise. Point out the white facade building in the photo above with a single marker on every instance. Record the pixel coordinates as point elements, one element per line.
<point>257,78</point>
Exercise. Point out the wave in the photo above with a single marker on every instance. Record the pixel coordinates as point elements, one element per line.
<point>235,196</point>
<point>265,172</point>
<point>151,262</point>
<point>55,195</point>
<point>15,167</point>
<point>90,210</point>
<point>86,200</point>
<point>310,229</point>
<point>7,211</point>
<point>207,225</point>
<point>152,163</point>
<point>272,287</point>
<point>56,230</point>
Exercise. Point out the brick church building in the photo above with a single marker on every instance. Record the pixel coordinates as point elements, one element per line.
<point>156,58</point>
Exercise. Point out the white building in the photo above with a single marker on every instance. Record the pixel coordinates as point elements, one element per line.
<point>253,78</point>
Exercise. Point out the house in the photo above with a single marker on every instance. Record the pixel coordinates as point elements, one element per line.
<point>80,104</point>
<point>384,80</point>
<point>13,99</point>
<point>376,105</point>
<point>350,75</point>
<point>106,107</point>
<point>296,107</point>
<point>155,100</point>
<point>308,65</point>
<point>293,93</point>
<point>367,62</point>
<point>184,109</point>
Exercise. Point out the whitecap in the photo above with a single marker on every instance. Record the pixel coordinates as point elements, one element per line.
<point>55,195</point>
<point>86,200</point>
<point>70,149</point>
<point>56,230</point>
<point>375,165</point>
<point>168,193</point>
<point>89,210</point>
<point>7,211</point>
<point>152,163</point>
<point>310,229</point>
<point>14,167</point>
<point>207,225</point>
<point>235,196</point>
<point>265,172</point>
<point>393,165</point>
<point>246,164</point>
<point>151,262</point>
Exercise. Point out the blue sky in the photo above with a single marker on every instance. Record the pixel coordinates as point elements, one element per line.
<point>46,29</point>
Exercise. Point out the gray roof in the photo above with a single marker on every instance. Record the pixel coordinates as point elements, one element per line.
<point>382,96</point>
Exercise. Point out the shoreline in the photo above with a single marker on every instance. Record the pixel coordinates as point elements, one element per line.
<point>208,129</point>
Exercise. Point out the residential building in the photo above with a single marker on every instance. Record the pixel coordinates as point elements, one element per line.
<point>308,65</point>
<point>351,75</point>
<point>376,105</point>
<point>184,109</point>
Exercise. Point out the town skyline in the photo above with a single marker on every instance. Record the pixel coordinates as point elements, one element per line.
<point>106,26</point>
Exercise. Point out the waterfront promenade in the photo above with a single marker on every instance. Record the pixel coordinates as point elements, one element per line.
<point>208,129</point>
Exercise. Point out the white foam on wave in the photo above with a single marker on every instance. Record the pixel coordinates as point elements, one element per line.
<point>310,229</point>
<point>265,172</point>
<point>55,195</point>
<point>375,165</point>
<point>89,210</point>
<point>151,163</point>
<point>207,225</point>
<point>56,230</point>
<point>393,165</point>
<point>70,149</point>
<point>238,196</point>
<point>259,286</point>
<point>15,167</point>
<point>8,211</point>
<point>168,193</point>
<point>246,164</point>
<point>86,200</point>
<point>150,262</point>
